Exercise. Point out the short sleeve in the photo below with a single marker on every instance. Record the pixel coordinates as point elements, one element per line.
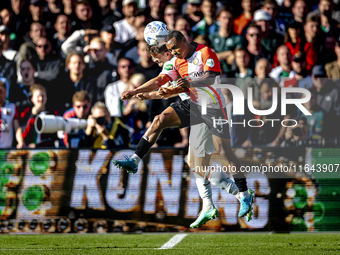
<point>170,70</point>
<point>210,61</point>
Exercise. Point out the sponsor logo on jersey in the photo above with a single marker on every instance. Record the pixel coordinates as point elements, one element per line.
<point>196,75</point>
<point>210,62</point>
<point>169,67</point>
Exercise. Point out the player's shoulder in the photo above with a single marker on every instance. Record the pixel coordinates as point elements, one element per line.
<point>170,64</point>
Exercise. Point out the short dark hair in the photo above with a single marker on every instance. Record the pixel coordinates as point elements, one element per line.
<point>81,96</point>
<point>174,34</point>
<point>129,59</point>
<point>153,50</point>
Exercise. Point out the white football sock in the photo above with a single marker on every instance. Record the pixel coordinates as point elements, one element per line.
<point>136,158</point>
<point>222,181</point>
<point>204,189</point>
<point>244,194</point>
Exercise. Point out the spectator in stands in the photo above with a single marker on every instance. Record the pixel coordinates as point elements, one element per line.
<point>246,17</point>
<point>327,23</point>
<point>63,27</point>
<point>99,66</point>
<point>312,43</point>
<point>125,28</point>
<point>171,14</point>
<point>9,122</point>
<point>19,21</point>
<point>130,48</point>
<point>255,48</point>
<point>284,68</point>
<point>328,100</point>
<point>7,69</point>
<point>300,10</point>
<point>193,12</point>
<point>294,134</point>
<point>333,68</point>
<point>8,53</point>
<point>37,30</point>
<point>142,16</point>
<point>299,76</point>
<point>114,90</point>
<point>20,94</point>
<point>157,9</point>
<point>47,63</point>
<point>327,54</point>
<point>36,9</point>
<point>293,37</point>
<point>135,110</point>
<point>262,70</point>
<point>78,40</point>
<point>31,137</point>
<point>225,40</point>
<point>51,12</point>
<point>182,24</point>
<point>103,132</point>
<point>268,133</point>
<point>84,13</point>
<point>271,7</point>
<point>270,39</point>
<point>146,67</point>
<point>244,74</point>
<point>74,80</point>
<point>203,39</point>
<point>69,6</point>
<point>208,24</point>
<point>108,34</point>
<point>106,15</point>
<point>315,121</point>
<point>81,110</point>
<point>6,17</point>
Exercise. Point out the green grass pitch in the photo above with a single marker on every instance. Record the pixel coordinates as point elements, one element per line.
<point>150,243</point>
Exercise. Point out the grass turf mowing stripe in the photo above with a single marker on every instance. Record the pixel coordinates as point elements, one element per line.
<point>173,241</point>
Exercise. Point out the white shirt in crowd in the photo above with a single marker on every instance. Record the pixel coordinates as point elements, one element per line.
<point>124,31</point>
<point>112,95</point>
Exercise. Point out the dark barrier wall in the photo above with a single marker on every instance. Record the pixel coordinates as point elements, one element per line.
<point>53,191</point>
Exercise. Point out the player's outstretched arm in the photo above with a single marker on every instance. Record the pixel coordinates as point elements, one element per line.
<point>149,86</point>
<point>154,95</point>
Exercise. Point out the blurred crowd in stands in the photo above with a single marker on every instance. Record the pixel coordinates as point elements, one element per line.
<point>75,58</point>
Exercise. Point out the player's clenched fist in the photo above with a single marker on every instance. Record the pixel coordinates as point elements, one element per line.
<point>183,83</point>
<point>127,95</point>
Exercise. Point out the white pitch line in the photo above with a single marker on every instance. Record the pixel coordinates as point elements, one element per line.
<point>173,241</point>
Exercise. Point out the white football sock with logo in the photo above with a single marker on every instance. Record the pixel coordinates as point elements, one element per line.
<point>136,158</point>
<point>221,180</point>
<point>204,189</point>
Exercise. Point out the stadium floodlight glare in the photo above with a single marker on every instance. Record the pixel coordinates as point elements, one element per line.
<point>50,124</point>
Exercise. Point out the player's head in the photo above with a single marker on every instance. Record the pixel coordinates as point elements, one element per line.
<point>159,54</point>
<point>177,44</point>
